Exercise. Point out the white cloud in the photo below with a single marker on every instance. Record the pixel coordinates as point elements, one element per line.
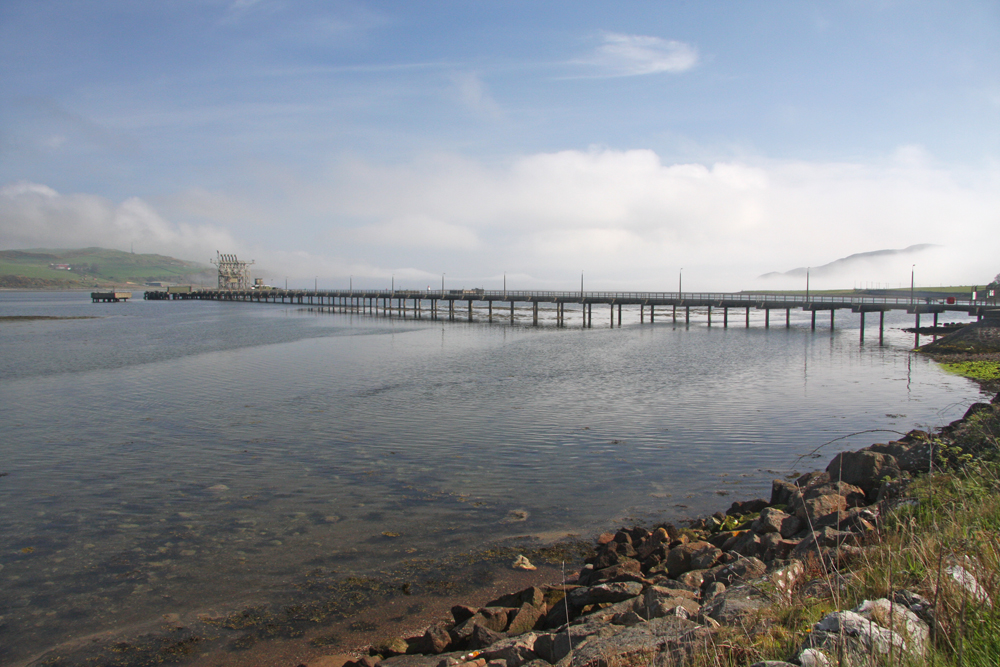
<point>633,55</point>
<point>35,215</point>
<point>416,231</point>
<point>636,219</point>
<point>472,92</point>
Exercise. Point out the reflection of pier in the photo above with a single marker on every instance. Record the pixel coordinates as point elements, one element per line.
<point>500,304</point>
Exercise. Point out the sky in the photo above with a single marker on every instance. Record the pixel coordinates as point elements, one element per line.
<point>632,143</point>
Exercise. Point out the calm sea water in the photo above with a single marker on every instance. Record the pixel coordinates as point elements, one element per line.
<point>162,456</point>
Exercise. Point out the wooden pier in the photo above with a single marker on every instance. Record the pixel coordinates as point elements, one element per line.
<point>500,304</point>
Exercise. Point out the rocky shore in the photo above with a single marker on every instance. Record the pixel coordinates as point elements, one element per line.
<point>674,595</point>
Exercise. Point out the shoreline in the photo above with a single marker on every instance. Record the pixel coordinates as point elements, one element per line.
<point>396,614</point>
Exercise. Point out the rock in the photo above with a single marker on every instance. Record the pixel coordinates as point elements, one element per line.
<point>533,595</point>
<point>740,508</point>
<point>436,639</point>
<point>628,618</point>
<point>556,646</point>
<point>522,563</point>
<point>781,492</point>
<point>916,603</point>
<point>515,650</point>
<point>658,601</point>
<point>865,469</point>
<point>666,640</point>
<point>713,589</point>
<point>738,571</point>
<point>613,592</point>
<point>736,606</point>
<point>492,619</point>
<point>748,544</point>
<point>462,613</point>
<point>692,579</point>
<point>786,577</point>
<point>706,557</point>
<point>967,582</point>
<point>525,619</point>
<point>659,538</point>
<point>899,619</point>
<point>910,456</point>
<point>809,509</point>
<point>390,647</point>
<point>482,637</point>
<point>811,479</point>
<point>856,636</point>
<point>824,537</point>
<point>771,520</point>
<point>417,660</point>
<point>627,566</point>
<point>679,558</point>
<point>811,657</point>
<point>772,663</point>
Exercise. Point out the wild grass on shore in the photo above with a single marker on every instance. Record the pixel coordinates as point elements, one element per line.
<point>947,522</point>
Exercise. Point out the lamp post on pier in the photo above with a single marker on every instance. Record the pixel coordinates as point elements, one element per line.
<point>680,277</point>
<point>912,272</point>
<point>807,283</point>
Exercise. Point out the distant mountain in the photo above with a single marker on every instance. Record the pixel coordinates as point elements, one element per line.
<point>95,267</point>
<point>851,261</point>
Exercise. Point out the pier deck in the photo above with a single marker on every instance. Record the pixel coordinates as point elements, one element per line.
<point>420,303</point>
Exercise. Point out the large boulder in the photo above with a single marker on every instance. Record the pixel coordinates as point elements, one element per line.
<point>613,592</point>
<point>679,558</point>
<point>740,570</point>
<point>864,469</point>
<point>738,605</point>
<point>667,640</point>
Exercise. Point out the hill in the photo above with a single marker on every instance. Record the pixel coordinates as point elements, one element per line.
<point>95,267</point>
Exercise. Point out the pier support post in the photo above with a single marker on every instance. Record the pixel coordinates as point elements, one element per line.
<point>935,326</point>
<point>725,317</point>
<point>490,302</point>
<point>612,306</point>
<point>687,314</point>
<point>832,311</point>
<point>642,313</point>
<point>619,315</point>
<point>881,326</point>
<point>451,309</point>
<point>674,314</point>
<point>652,313</point>
<point>534,313</point>
<point>788,318</point>
<point>709,315</point>
<point>767,318</point>
<point>862,326</point>
<point>512,311</point>
<point>814,320</point>
<point>470,310</point>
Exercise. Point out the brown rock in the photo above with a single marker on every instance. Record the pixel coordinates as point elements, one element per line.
<point>525,619</point>
<point>692,578</point>
<point>810,509</point>
<point>865,469</point>
<point>743,569</point>
<point>740,508</point>
<point>625,567</point>
<point>679,558</point>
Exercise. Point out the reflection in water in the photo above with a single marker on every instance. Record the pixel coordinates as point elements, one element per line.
<point>170,456</point>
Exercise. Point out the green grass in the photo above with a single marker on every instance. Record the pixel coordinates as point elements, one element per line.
<point>977,370</point>
<point>98,265</point>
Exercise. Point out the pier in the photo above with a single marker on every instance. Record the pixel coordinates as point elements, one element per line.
<point>109,297</point>
<point>721,308</point>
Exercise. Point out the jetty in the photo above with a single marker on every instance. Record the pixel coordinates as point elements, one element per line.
<point>110,297</point>
<point>720,308</point>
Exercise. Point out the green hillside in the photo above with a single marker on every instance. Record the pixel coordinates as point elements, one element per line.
<point>95,267</point>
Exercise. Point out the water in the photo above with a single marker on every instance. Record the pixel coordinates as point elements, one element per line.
<point>168,456</point>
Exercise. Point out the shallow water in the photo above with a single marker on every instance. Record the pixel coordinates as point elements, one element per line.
<point>164,456</point>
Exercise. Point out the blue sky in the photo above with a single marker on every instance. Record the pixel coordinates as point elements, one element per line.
<point>537,140</point>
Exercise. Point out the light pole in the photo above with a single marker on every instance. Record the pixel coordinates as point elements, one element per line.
<point>316,284</point>
<point>442,283</point>
<point>912,271</point>
<point>505,286</point>
<point>807,283</point>
<point>680,276</point>
<point>351,284</point>
<point>581,285</point>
